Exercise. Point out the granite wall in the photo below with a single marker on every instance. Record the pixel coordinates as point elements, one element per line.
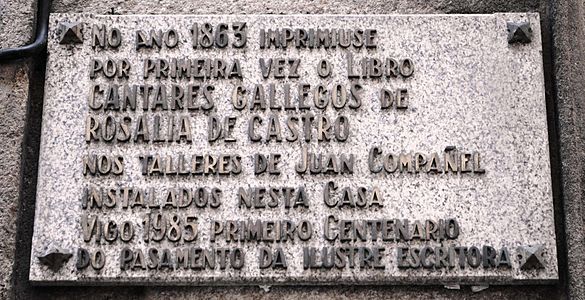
<point>16,28</point>
<point>21,87</point>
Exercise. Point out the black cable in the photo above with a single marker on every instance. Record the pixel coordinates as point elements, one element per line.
<point>40,43</point>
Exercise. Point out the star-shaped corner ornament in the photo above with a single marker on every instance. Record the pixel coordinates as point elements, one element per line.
<point>54,258</point>
<point>70,33</point>
<point>519,32</point>
<point>531,257</point>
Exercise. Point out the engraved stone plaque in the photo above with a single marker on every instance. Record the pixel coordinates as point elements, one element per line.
<point>312,149</point>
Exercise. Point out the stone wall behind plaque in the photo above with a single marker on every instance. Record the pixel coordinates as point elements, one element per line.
<point>21,97</point>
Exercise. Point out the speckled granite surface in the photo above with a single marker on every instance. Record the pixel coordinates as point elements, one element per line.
<point>470,90</point>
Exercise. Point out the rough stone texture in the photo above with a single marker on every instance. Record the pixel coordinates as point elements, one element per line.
<point>294,7</point>
<point>569,57</point>
<point>307,292</point>
<point>495,107</point>
<point>16,23</point>
<point>565,17</point>
<point>16,28</point>
<point>13,92</point>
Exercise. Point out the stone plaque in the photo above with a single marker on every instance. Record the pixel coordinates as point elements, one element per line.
<point>294,149</point>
